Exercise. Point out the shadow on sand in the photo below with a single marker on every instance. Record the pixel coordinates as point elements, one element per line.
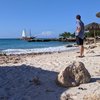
<point>95,79</point>
<point>16,83</point>
<point>94,56</point>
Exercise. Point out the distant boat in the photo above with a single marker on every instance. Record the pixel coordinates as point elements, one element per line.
<point>23,34</point>
<point>25,37</point>
<point>30,38</point>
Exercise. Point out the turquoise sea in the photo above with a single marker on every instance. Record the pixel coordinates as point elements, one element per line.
<point>17,46</point>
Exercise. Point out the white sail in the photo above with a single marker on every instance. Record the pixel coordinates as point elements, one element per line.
<point>23,33</point>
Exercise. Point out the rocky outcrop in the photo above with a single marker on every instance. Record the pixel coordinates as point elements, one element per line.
<point>73,75</point>
<point>5,59</point>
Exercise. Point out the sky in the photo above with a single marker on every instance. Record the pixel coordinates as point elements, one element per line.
<point>45,18</point>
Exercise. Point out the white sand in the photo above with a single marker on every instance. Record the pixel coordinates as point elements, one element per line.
<point>16,78</point>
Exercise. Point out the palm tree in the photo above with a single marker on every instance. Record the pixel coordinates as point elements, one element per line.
<point>65,35</point>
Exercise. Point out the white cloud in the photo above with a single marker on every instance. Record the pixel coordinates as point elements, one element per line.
<point>46,34</point>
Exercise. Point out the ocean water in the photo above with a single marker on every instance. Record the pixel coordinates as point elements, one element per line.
<point>16,46</point>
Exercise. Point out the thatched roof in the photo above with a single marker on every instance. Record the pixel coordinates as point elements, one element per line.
<point>98,14</point>
<point>92,26</point>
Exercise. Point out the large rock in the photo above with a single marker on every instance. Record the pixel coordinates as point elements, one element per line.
<point>68,97</point>
<point>92,97</point>
<point>73,75</point>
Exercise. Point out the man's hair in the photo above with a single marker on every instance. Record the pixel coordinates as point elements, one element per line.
<point>78,17</point>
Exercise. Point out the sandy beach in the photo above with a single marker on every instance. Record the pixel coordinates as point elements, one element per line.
<point>32,76</point>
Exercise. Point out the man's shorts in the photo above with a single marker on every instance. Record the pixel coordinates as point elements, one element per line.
<point>79,41</point>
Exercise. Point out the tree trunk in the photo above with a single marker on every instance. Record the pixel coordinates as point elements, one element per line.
<point>94,38</point>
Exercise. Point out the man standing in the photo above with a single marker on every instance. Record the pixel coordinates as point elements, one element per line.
<point>80,34</point>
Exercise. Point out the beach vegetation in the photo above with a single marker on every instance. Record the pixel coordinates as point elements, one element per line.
<point>66,35</point>
<point>91,33</point>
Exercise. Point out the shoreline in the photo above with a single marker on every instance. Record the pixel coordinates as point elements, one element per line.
<point>39,50</point>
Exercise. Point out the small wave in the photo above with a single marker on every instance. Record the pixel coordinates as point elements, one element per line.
<point>38,50</point>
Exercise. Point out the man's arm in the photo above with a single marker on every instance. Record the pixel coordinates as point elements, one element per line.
<point>78,29</point>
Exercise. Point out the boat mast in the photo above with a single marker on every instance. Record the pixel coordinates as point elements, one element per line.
<point>30,33</point>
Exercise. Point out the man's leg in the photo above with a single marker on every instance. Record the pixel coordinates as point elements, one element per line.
<point>81,50</point>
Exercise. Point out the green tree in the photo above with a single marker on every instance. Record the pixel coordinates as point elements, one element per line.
<point>91,33</point>
<point>65,35</point>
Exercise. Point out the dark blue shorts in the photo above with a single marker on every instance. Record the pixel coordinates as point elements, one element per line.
<point>79,41</point>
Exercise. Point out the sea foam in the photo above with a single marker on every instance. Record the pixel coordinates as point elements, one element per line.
<point>38,50</point>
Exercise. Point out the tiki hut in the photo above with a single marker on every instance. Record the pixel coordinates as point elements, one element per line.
<point>98,14</point>
<point>93,26</point>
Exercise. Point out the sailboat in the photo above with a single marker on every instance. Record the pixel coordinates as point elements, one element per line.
<point>23,34</point>
<point>31,38</point>
<point>24,37</point>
